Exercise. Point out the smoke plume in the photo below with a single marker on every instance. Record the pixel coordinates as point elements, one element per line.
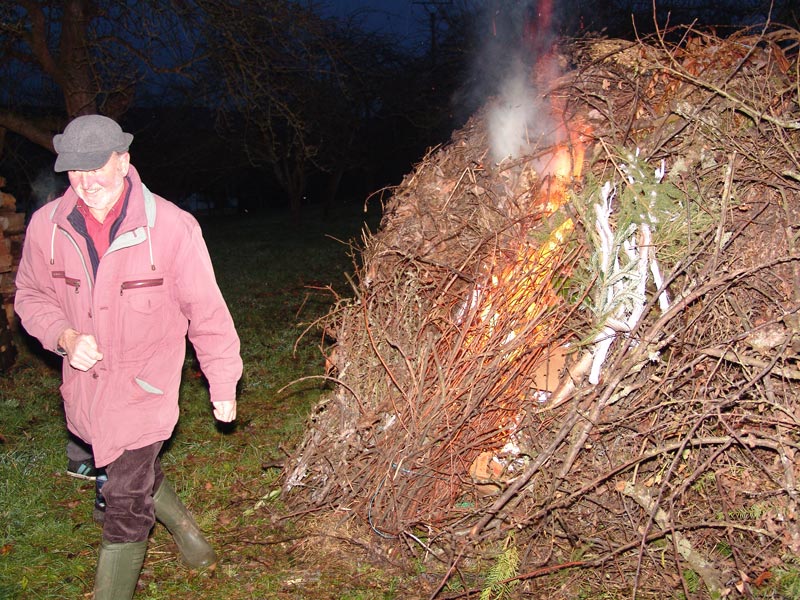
<point>515,61</point>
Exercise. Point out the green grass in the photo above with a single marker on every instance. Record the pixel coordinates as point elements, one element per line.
<point>272,274</point>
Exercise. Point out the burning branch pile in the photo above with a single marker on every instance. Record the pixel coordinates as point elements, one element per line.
<point>589,343</point>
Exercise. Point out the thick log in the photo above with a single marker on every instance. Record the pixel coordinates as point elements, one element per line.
<point>12,222</point>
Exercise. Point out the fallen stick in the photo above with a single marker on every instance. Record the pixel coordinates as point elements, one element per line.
<point>730,356</point>
<point>710,576</point>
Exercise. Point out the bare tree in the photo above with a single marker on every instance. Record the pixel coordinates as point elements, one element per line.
<point>297,90</point>
<point>64,58</point>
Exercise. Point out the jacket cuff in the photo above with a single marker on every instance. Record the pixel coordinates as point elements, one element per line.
<point>50,340</point>
<point>223,391</point>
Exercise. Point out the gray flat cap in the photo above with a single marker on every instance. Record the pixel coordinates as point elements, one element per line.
<point>87,143</point>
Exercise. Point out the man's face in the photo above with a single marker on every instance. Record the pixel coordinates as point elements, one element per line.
<point>101,188</point>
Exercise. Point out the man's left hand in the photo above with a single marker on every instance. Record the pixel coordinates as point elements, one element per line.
<point>225,411</point>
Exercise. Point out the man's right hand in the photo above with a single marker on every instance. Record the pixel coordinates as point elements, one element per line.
<point>81,349</point>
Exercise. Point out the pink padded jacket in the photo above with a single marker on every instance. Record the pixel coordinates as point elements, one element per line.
<point>154,285</point>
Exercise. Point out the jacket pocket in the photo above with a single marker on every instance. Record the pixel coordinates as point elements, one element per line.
<point>159,376</point>
<point>142,316</point>
<point>147,387</point>
<point>139,284</point>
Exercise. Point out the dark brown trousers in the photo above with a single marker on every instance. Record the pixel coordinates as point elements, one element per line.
<point>133,478</point>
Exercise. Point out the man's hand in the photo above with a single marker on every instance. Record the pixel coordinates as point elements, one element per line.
<point>81,349</point>
<point>225,411</point>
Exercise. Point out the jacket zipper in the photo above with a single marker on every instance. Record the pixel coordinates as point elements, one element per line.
<point>76,283</point>
<point>139,283</point>
<point>86,272</point>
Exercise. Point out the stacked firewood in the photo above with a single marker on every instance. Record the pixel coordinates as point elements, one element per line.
<point>12,231</point>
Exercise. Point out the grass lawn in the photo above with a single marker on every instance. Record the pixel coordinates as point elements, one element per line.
<point>274,276</point>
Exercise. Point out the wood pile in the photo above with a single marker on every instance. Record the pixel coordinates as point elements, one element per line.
<point>12,231</point>
<point>579,360</point>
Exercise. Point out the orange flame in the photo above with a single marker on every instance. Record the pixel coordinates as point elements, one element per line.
<point>522,279</point>
<point>517,299</point>
<point>515,302</point>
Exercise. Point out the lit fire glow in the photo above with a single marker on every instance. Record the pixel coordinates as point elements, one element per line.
<point>521,289</point>
<point>510,315</point>
<point>516,300</point>
<point>528,276</point>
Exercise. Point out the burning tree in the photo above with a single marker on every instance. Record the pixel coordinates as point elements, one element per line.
<point>574,344</point>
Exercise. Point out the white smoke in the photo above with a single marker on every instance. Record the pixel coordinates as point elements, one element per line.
<point>45,187</point>
<point>518,119</point>
<point>517,57</point>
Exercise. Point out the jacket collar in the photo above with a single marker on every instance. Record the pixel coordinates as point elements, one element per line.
<point>140,217</point>
<point>141,210</point>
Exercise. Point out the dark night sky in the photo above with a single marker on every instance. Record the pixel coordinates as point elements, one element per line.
<point>408,19</point>
<point>404,20</point>
<point>394,15</point>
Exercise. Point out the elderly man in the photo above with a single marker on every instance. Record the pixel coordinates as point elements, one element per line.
<point>113,278</point>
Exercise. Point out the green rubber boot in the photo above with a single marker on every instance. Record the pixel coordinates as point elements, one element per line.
<point>195,550</point>
<point>118,567</point>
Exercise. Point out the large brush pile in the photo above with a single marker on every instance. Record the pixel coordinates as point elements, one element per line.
<point>587,351</point>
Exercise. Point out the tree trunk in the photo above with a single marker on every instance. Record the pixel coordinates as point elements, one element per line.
<point>332,187</point>
<point>290,173</point>
<point>75,63</point>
